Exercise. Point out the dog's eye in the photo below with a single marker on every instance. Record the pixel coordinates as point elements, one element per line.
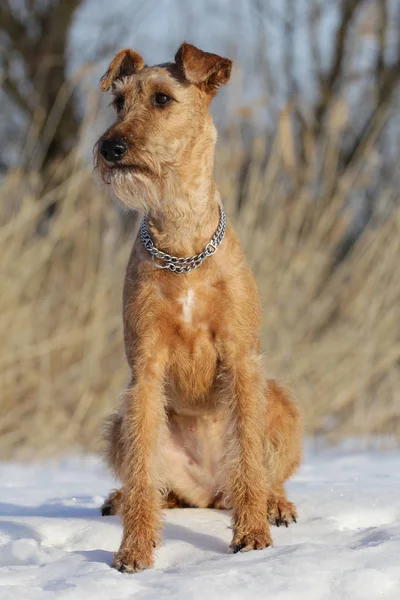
<point>161,99</point>
<point>119,103</point>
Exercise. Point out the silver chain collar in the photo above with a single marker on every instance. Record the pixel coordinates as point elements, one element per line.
<point>183,265</point>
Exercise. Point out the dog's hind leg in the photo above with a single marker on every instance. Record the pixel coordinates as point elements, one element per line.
<point>283,451</point>
<point>114,456</point>
<point>112,505</point>
<point>280,510</point>
<point>115,446</point>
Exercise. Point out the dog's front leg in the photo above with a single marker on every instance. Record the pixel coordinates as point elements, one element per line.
<point>247,476</point>
<point>141,506</point>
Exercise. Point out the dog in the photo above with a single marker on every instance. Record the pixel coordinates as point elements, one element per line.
<point>199,424</point>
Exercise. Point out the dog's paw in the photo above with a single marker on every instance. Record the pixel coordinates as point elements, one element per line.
<point>129,560</point>
<point>107,509</point>
<point>281,512</point>
<point>112,505</point>
<point>255,540</point>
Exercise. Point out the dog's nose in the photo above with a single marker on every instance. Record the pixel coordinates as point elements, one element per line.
<point>113,149</point>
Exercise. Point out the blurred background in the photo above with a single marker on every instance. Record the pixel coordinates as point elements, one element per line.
<point>308,167</point>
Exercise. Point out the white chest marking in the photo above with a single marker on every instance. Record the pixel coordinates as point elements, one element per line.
<point>187,306</point>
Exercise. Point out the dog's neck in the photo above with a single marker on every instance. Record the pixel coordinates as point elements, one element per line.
<point>189,214</point>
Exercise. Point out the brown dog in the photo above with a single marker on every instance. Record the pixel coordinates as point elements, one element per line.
<point>199,425</point>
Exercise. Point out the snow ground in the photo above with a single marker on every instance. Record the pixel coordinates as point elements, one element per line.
<point>346,545</point>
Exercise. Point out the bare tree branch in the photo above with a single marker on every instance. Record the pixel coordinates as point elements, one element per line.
<point>329,81</point>
<point>16,31</point>
<point>382,33</point>
<point>11,88</point>
<point>290,8</point>
<point>36,43</point>
<point>314,21</point>
<point>389,80</point>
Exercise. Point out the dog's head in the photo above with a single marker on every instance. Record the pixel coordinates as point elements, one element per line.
<point>162,125</point>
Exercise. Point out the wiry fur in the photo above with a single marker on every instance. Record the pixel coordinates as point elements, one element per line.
<point>199,425</point>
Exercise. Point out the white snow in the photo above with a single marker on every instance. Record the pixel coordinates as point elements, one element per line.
<point>346,545</point>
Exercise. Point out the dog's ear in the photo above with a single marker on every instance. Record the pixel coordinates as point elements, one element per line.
<point>125,63</point>
<point>204,69</point>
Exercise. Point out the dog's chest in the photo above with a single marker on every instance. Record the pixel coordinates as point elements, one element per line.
<point>193,323</point>
<point>187,301</point>
<point>193,312</point>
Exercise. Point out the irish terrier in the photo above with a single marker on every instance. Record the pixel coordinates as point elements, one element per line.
<point>199,425</point>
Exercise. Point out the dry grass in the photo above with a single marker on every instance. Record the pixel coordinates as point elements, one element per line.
<point>331,333</point>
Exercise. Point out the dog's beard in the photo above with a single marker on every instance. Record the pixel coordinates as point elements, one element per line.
<point>146,188</point>
<point>135,188</point>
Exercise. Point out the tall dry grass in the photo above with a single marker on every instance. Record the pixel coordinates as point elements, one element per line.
<point>330,330</point>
